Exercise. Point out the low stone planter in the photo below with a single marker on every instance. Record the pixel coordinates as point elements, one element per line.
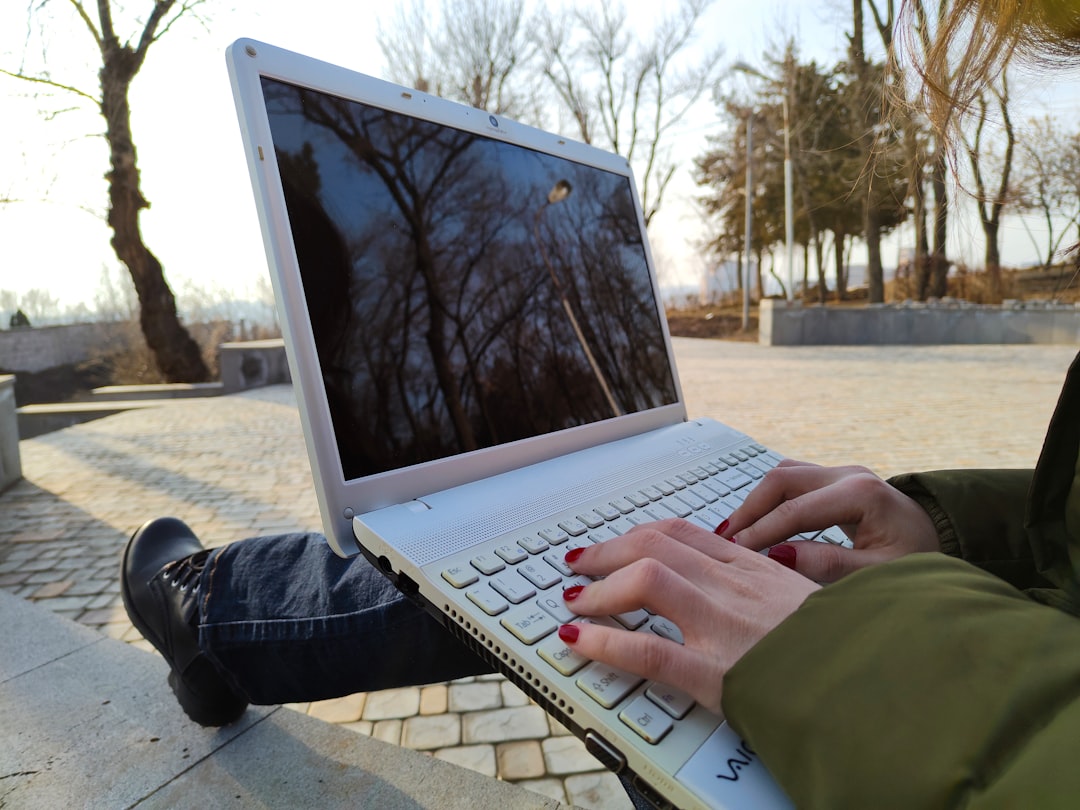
<point>784,324</point>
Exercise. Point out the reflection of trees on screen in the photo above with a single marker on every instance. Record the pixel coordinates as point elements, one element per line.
<point>437,325</point>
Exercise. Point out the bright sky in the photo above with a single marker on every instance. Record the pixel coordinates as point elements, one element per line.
<point>202,223</point>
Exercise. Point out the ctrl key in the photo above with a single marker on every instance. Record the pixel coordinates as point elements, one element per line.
<point>647,719</point>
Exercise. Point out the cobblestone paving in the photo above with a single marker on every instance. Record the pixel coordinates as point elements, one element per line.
<point>234,467</point>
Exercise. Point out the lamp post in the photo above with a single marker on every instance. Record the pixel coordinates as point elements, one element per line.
<point>559,192</point>
<point>789,210</point>
<point>747,241</point>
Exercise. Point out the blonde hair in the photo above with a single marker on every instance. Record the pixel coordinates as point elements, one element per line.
<point>959,47</point>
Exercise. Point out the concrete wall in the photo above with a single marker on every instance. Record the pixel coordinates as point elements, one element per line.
<point>35,349</point>
<point>783,324</point>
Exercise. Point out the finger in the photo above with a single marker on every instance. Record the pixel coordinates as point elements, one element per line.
<point>649,656</point>
<point>800,500</point>
<point>648,583</point>
<point>787,480</point>
<point>678,544</point>
<point>824,562</point>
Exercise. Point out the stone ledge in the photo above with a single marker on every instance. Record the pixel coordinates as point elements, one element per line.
<point>109,393</point>
<point>36,420</point>
<point>90,722</point>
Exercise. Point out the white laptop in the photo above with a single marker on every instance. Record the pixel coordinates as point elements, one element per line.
<point>486,381</point>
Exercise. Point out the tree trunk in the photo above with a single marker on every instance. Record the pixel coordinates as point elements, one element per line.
<point>177,355</point>
<point>993,262</point>
<point>841,276</point>
<point>939,263</point>
<point>875,275</point>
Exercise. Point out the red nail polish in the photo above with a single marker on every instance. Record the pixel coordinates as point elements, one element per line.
<point>734,538</point>
<point>569,633</point>
<point>723,527</point>
<point>573,554</point>
<point>785,555</point>
<point>572,593</point>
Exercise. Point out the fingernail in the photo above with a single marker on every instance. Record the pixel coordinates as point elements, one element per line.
<point>569,633</point>
<point>785,555</point>
<point>573,554</point>
<point>734,538</point>
<point>723,527</point>
<point>572,593</point>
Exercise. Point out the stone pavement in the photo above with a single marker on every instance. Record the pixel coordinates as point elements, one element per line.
<point>235,466</point>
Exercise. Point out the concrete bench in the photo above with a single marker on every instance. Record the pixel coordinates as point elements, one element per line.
<point>10,464</point>
<point>90,722</point>
<point>252,364</point>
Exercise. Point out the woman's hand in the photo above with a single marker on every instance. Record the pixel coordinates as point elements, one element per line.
<point>724,599</point>
<point>796,497</point>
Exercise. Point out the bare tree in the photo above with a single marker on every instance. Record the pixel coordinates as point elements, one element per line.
<point>1048,165</point>
<point>477,52</point>
<point>176,353</point>
<point>625,94</point>
<point>990,205</point>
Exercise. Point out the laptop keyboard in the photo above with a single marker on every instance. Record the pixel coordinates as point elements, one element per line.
<point>520,580</point>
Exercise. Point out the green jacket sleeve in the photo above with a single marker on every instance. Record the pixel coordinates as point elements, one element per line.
<point>922,682</point>
<point>979,517</point>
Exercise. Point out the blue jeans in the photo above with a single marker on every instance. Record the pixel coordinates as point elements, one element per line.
<point>285,620</point>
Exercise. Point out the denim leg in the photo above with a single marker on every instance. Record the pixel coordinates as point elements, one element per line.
<point>287,621</point>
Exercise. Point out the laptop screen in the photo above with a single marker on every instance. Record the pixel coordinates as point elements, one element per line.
<point>464,291</point>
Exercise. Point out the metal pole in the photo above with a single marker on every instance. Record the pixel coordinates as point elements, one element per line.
<point>749,220</point>
<point>789,208</point>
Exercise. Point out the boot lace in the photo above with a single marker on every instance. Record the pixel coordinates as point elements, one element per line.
<point>184,573</point>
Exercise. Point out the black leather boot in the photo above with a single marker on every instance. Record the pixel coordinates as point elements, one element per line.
<point>159,581</point>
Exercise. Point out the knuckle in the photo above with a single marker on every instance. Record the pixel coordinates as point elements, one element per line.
<point>833,564</point>
<point>648,575</point>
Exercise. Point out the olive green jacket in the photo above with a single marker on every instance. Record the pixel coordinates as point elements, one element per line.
<point>938,680</point>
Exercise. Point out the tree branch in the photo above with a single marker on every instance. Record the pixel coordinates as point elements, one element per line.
<point>50,83</point>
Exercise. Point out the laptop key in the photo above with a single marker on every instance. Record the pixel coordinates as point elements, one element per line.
<point>676,508</point>
<point>607,685</point>
<point>591,519</point>
<point>512,587</point>
<point>647,719</point>
<point>666,629</point>
<point>559,655</point>
<point>560,535</point>
<point>555,606</point>
<point>459,576</point>
<point>673,701</point>
<point>541,575</point>
<point>529,624</point>
<point>487,600</point>
<point>533,545</point>
<point>487,564</point>
<point>734,479</point>
<point>512,553</point>
<point>631,620</point>
<point>691,500</point>
<point>557,560</point>
<point>608,512</point>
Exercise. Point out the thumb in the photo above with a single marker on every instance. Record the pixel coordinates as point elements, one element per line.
<point>824,562</point>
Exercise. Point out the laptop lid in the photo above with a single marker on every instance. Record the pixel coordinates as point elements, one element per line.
<point>461,294</point>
